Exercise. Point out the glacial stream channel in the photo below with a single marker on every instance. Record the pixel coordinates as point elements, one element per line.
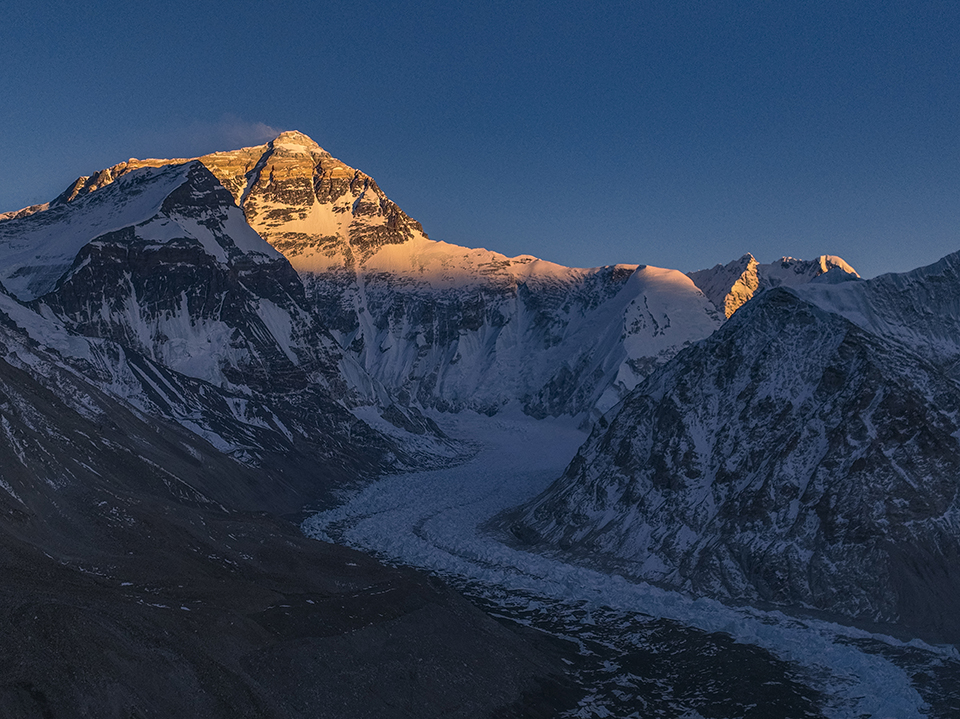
<point>644,651</point>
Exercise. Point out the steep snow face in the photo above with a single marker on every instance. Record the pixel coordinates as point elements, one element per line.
<point>553,340</point>
<point>175,203</point>
<point>162,262</point>
<point>791,458</point>
<point>443,326</point>
<point>38,249</point>
<point>52,388</point>
<point>730,286</point>
<point>919,309</point>
<point>204,322</point>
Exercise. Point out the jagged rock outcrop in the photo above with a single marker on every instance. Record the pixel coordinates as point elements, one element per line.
<point>452,328</point>
<point>730,286</point>
<point>791,458</point>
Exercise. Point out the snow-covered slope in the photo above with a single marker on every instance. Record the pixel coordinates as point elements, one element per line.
<point>36,250</point>
<point>303,444</point>
<point>791,458</point>
<point>162,262</point>
<point>203,322</point>
<point>553,340</point>
<point>435,324</point>
<point>919,309</point>
<point>730,286</point>
<point>448,327</point>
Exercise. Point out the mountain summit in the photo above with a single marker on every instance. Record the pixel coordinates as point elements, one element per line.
<point>449,327</point>
<point>730,286</point>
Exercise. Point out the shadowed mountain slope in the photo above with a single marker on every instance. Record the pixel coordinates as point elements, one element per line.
<point>791,458</point>
<point>133,586</point>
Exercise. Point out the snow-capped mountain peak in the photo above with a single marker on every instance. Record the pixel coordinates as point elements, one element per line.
<point>179,203</point>
<point>441,325</point>
<point>296,142</point>
<point>730,286</point>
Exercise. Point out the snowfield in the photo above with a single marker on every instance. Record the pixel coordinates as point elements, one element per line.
<point>433,520</point>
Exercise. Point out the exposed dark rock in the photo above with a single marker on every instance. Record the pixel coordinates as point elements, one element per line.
<point>792,458</point>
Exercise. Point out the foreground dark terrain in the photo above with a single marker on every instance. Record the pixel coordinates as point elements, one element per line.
<point>133,588</point>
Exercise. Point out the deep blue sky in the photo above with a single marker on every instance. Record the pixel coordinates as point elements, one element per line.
<point>668,133</point>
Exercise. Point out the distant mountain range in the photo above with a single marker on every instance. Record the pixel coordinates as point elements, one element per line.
<point>434,324</point>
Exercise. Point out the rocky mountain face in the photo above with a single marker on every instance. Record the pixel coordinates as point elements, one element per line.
<point>136,584</point>
<point>919,310</point>
<point>446,327</point>
<point>160,265</point>
<point>519,332</point>
<point>730,286</point>
<point>792,458</point>
<point>296,466</point>
<point>192,348</point>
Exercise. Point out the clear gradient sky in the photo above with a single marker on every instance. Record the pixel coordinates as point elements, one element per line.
<point>678,134</point>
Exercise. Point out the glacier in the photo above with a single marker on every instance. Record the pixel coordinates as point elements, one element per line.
<point>441,521</point>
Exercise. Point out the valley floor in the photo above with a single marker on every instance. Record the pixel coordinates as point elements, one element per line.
<point>640,651</point>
